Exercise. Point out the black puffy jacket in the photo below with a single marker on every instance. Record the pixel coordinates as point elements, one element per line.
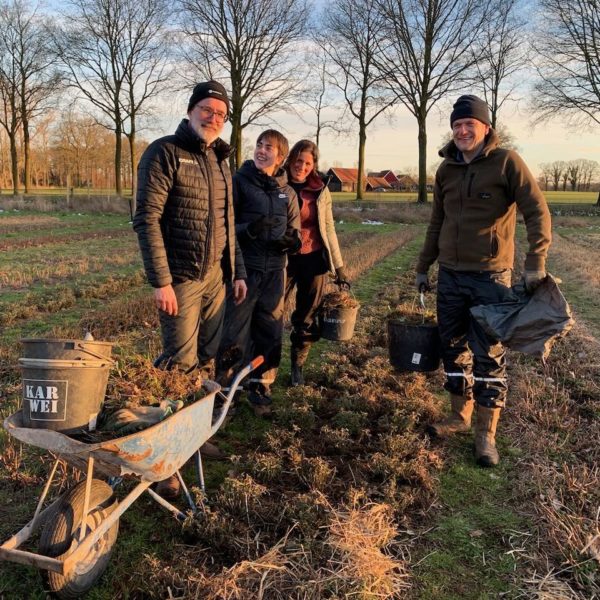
<point>256,194</point>
<point>173,218</point>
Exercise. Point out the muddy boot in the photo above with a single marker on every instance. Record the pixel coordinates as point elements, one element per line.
<point>459,420</point>
<point>298,357</point>
<point>486,421</point>
<point>169,488</point>
<point>260,404</point>
<point>297,375</point>
<point>212,451</point>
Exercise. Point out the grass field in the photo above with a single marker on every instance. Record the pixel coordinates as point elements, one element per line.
<point>342,494</point>
<point>551,197</point>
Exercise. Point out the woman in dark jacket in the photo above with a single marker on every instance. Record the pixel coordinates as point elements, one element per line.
<point>319,255</point>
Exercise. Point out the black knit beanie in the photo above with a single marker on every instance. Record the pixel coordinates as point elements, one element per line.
<point>470,106</point>
<point>208,89</point>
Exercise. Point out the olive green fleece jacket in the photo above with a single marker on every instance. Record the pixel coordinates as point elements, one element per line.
<point>473,217</point>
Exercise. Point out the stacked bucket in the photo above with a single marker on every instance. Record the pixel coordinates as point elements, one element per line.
<point>64,383</point>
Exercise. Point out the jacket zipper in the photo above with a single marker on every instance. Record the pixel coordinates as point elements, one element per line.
<point>209,224</point>
<point>460,209</point>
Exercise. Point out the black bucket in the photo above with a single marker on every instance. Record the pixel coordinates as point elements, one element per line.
<point>413,347</point>
<point>63,395</point>
<point>337,323</point>
<point>63,349</point>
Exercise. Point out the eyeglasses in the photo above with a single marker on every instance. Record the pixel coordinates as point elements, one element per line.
<point>207,113</point>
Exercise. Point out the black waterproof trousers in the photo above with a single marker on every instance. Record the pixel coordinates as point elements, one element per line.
<point>253,328</point>
<point>308,274</point>
<point>474,363</point>
<point>191,337</point>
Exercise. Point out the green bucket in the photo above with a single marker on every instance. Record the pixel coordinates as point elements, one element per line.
<point>63,395</point>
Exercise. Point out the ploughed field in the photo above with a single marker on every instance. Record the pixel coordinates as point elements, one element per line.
<point>341,494</point>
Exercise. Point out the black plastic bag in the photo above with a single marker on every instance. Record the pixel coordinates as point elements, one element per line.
<point>532,323</point>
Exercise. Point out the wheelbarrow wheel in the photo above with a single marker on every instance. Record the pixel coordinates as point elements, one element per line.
<point>60,538</point>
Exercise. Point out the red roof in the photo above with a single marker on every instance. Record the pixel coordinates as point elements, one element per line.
<point>345,175</point>
<point>376,182</point>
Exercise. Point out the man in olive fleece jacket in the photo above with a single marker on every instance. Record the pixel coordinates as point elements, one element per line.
<point>471,233</point>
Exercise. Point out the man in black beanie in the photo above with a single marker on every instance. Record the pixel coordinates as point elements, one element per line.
<point>186,231</point>
<point>478,189</point>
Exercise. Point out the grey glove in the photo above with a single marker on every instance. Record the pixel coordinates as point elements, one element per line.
<point>261,224</point>
<point>341,279</point>
<point>533,280</point>
<point>130,420</point>
<point>422,282</point>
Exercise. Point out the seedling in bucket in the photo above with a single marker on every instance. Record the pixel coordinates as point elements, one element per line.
<point>413,338</point>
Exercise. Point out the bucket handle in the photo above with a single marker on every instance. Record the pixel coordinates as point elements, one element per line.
<point>94,354</point>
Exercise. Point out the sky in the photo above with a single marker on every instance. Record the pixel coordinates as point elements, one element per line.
<point>392,139</point>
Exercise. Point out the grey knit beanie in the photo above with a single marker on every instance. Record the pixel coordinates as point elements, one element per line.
<point>470,106</point>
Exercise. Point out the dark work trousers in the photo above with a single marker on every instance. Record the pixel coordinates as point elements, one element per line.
<point>308,274</point>
<point>255,327</point>
<point>191,337</point>
<point>474,362</point>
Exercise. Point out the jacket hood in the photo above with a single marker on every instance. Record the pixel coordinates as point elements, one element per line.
<point>259,178</point>
<point>192,141</point>
<point>491,142</point>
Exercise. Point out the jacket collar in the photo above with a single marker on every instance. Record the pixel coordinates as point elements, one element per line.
<point>451,152</point>
<point>256,176</point>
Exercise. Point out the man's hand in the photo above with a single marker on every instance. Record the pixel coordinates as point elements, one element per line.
<point>341,279</point>
<point>422,282</point>
<point>166,300</point>
<point>288,243</point>
<point>240,289</point>
<point>533,280</point>
<point>261,224</point>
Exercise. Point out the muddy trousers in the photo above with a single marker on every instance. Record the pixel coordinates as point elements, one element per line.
<point>255,327</point>
<point>307,273</point>
<point>191,337</point>
<point>474,362</point>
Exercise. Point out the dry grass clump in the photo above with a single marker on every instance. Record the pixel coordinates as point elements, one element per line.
<point>556,417</point>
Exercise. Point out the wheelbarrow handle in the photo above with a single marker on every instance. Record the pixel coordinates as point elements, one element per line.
<point>256,362</point>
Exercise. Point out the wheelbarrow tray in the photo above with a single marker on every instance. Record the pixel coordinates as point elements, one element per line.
<point>152,454</point>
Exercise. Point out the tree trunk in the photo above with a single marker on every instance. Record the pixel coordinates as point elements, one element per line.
<point>14,163</point>
<point>422,197</point>
<point>362,141</point>
<point>133,165</point>
<point>236,142</point>
<point>118,153</point>
<point>26,155</point>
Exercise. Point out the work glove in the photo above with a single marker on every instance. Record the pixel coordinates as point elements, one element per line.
<point>130,420</point>
<point>341,280</point>
<point>533,280</point>
<point>290,243</point>
<point>261,224</point>
<point>422,282</point>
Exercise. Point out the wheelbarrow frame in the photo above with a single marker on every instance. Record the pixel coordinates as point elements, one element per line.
<point>152,454</point>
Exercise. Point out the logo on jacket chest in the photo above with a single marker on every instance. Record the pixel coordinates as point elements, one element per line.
<point>485,195</point>
<point>187,161</point>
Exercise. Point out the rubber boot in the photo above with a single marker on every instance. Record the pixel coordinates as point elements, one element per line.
<point>486,422</point>
<point>169,488</point>
<point>297,377</point>
<point>459,420</point>
<point>212,451</point>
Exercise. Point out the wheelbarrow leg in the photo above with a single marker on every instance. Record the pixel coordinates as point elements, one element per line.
<point>200,471</point>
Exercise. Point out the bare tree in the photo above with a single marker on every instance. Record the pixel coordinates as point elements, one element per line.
<point>251,43</point>
<point>556,170</point>
<point>112,53</point>
<point>350,41</point>
<point>574,172</point>
<point>500,53</point>
<point>568,63</point>
<point>589,168</point>
<point>34,77</point>
<point>145,67</point>
<point>546,174</point>
<point>317,96</point>
<point>425,55</point>
<point>10,115</point>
